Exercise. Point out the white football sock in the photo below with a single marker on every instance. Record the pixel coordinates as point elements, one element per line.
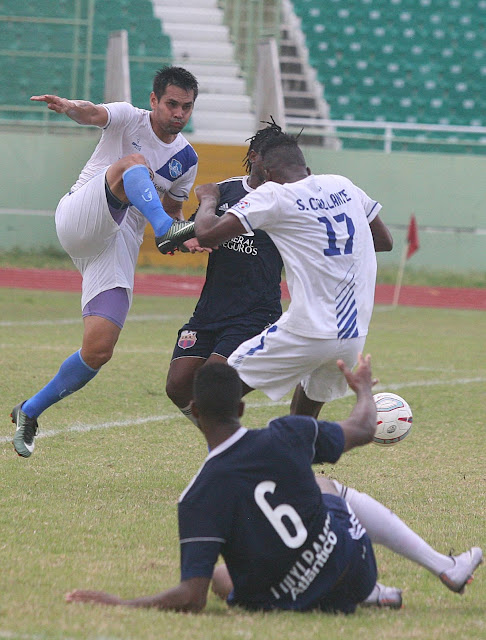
<point>188,413</point>
<point>386,528</point>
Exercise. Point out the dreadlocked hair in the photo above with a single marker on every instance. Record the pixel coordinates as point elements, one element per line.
<point>259,140</point>
<point>283,140</point>
<point>284,148</point>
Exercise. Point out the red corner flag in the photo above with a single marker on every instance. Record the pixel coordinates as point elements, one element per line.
<point>412,238</point>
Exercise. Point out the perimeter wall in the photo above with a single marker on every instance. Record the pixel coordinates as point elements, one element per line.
<point>447,194</point>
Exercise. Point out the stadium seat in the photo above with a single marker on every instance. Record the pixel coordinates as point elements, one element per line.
<point>407,60</point>
<point>49,56</point>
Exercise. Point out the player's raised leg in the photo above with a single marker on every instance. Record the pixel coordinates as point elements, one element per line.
<point>386,528</point>
<point>129,180</point>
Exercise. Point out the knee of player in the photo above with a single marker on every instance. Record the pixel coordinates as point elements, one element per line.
<point>96,358</point>
<point>175,393</point>
<point>178,389</point>
<point>134,159</point>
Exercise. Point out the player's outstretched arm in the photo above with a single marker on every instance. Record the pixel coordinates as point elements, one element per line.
<point>81,111</point>
<point>360,427</point>
<point>212,230</point>
<point>189,595</point>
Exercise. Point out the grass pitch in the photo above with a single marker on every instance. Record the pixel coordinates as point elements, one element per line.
<point>95,506</point>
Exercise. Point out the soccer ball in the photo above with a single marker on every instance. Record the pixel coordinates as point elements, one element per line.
<point>393,419</point>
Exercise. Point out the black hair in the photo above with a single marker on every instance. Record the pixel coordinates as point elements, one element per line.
<point>283,149</point>
<point>261,137</point>
<point>177,76</point>
<point>217,391</point>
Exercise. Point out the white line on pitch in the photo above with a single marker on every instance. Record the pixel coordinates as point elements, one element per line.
<point>63,321</point>
<point>84,428</point>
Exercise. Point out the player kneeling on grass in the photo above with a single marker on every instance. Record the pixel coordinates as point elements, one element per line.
<point>256,502</point>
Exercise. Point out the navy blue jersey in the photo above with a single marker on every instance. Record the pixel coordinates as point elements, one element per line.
<point>243,275</point>
<point>255,500</point>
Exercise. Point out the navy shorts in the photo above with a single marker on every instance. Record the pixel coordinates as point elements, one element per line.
<point>359,572</point>
<point>193,342</point>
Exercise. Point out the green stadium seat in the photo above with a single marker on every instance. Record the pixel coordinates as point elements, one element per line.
<point>41,55</point>
<point>407,60</point>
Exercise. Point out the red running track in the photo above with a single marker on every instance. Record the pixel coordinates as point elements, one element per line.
<point>179,285</point>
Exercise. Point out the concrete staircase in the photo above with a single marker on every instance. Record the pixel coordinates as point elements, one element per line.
<point>201,43</point>
<point>301,90</point>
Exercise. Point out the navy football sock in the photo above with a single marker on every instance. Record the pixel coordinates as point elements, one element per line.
<point>141,192</point>
<point>73,374</point>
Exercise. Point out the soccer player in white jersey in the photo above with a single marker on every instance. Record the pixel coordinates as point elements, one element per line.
<point>327,231</point>
<point>141,171</point>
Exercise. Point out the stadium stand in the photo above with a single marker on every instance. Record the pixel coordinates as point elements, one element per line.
<point>61,48</point>
<point>415,61</point>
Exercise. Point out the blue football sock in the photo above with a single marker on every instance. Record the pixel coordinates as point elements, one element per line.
<point>141,192</point>
<point>73,374</point>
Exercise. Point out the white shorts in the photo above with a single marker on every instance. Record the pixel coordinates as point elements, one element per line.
<point>275,361</point>
<point>104,251</point>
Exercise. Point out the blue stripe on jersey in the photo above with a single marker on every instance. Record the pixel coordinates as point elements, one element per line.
<point>179,164</point>
<point>231,210</point>
<point>346,313</point>
<point>372,209</point>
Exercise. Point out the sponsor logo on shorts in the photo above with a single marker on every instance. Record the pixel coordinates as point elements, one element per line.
<point>187,339</point>
<point>308,566</point>
<point>175,168</point>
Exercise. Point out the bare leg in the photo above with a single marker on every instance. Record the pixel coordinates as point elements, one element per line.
<point>114,173</point>
<point>99,340</point>
<point>301,405</point>
<point>222,584</point>
<point>180,379</point>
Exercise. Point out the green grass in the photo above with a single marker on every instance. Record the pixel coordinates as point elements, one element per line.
<point>95,506</point>
<point>53,259</point>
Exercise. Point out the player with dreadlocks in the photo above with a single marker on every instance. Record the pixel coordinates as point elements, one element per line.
<point>241,294</point>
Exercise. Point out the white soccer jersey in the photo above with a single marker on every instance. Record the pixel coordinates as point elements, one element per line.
<point>106,250</point>
<point>129,131</point>
<point>320,225</point>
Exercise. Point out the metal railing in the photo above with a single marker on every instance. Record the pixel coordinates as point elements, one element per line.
<point>387,132</point>
<point>250,22</point>
<point>81,7</point>
<point>79,52</point>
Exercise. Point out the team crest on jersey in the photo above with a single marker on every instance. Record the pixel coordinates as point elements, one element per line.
<point>187,339</point>
<point>242,205</point>
<point>175,168</point>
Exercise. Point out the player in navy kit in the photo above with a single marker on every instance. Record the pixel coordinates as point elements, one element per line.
<point>256,502</point>
<point>241,294</point>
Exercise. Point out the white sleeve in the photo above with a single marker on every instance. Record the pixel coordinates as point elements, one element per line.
<point>119,115</point>
<point>257,210</point>
<point>371,207</point>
